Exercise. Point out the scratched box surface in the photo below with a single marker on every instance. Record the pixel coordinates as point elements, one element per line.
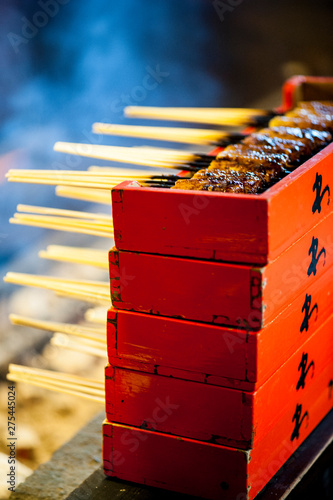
<point>208,470</point>
<point>224,226</point>
<point>201,365</point>
<point>307,88</point>
<point>213,354</point>
<point>219,292</point>
<point>211,413</point>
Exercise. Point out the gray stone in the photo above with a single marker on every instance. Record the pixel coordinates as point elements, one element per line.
<point>68,467</point>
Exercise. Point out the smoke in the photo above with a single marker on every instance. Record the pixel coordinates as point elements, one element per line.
<point>66,64</point>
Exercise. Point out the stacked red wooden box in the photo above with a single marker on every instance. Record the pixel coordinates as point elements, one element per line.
<point>220,336</point>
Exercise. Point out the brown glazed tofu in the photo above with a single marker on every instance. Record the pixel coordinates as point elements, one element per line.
<point>296,150</point>
<point>314,108</point>
<point>256,157</point>
<point>264,157</point>
<point>303,122</point>
<point>268,174</point>
<point>227,181</point>
<point>313,139</point>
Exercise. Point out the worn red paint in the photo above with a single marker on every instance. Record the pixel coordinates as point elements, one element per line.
<point>218,355</point>
<point>220,293</point>
<point>221,226</point>
<point>202,408</point>
<point>216,414</point>
<point>208,470</point>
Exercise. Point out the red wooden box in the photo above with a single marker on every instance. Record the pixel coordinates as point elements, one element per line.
<point>221,226</point>
<point>230,227</point>
<point>307,88</point>
<point>212,413</point>
<point>217,355</point>
<point>216,292</point>
<point>184,382</point>
<point>208,470</point>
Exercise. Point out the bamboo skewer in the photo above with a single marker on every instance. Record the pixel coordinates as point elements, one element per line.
<point>92,179</point>
<point>108,184</point>
<point>66,220</point>
<point>96,315</point>
<point>64,338</point>
<point>102,196</point>
<point>217,116</point>
<point>57,376</point>
<point>80,179</point>
<point>60,382</point>
<point>148,156</point>
<point>111,152</point>
<point>90,291</point>
<point>59,387</point>
<point>97,217</point>
<point>141,177</point>
<point>64,341</point>
<point>88,256</point>
<point>92,333</point>
<point>73,225</point>
<point>173,134</point>
<point>92,185</point>
<point>90,230</point>
<point>126,171</point>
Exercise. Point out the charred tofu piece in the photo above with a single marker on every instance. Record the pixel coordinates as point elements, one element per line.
<point>256,158</point>
<point>264,157</point>
<point>302,122</point>
<point>313,139</point>
<point>269,174</point>
<point>313,108</point>
<point>225,180</point>
<point>296,151</point>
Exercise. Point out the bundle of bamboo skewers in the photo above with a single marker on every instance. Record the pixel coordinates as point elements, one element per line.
<point>94,185</point>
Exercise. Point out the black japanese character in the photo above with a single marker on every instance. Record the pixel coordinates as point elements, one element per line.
<point>330,388</point>
<point>298,421</point>
<point>304,370</point>
<point>313,250</point>
<point>307,312</point>
<point>319,193</point>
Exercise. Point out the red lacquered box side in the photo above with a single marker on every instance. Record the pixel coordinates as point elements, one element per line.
<point>213,354</point>
<point>306,88</point>
<point>218,414</point>
<point>210,471</point>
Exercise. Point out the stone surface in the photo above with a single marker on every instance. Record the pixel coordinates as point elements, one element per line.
<point>68,468</point>
<point>76,473</point>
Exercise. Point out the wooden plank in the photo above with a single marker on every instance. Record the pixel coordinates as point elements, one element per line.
<point>223,226</point>
<point>206,470</point>
<point>214,354</point>
<point>304,475</point>
<point>184,288</point>
<point>220,293</point>
<point>218,414</point>
<point>156,344</point>
<point>216,226</point>
<point>168,462</point>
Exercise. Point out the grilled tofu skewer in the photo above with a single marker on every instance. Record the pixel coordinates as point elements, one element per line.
<point>172,134</point>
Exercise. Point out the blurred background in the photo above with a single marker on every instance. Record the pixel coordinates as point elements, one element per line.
<point>65,64</point>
